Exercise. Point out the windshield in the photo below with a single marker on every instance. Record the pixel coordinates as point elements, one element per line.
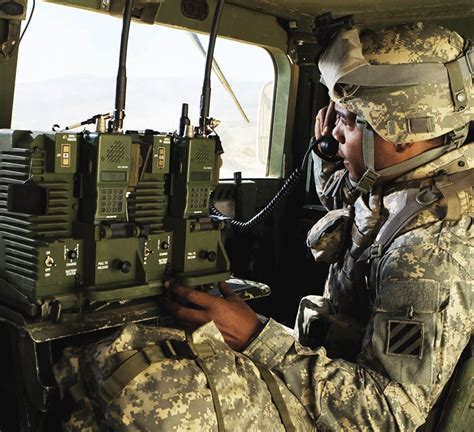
<point>68,63</point>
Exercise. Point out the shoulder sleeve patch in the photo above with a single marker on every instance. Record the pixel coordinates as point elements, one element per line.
<point>405,338</point>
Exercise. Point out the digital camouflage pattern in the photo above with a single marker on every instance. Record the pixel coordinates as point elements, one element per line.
<point>173,395</point>
<point>67,373</point>
<point>400,113</point>
<point>416,308</point>
<point>325,237</point>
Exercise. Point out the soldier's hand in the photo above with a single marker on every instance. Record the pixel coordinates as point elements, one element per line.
<point>325,121</point>
<point>236,321</point>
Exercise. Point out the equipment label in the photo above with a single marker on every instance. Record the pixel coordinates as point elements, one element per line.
<point>71,272</point>
<point>102,265</point>
<point>163,261</point>
<point>191,255</point>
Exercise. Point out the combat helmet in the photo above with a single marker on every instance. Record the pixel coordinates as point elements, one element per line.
<point>407,83</point>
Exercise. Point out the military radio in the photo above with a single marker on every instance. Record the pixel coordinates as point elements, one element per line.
<point>99,217</point>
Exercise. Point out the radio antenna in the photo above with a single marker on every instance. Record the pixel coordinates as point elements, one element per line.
<point>121,88</point>
<point>206,87</point>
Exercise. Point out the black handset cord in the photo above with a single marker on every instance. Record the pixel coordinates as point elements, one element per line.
<point>288,186</point>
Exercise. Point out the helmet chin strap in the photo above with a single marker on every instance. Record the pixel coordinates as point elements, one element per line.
<point>454,139</point>
<point>370,176</point>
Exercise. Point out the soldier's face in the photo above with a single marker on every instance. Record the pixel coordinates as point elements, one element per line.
<point>350,142</point>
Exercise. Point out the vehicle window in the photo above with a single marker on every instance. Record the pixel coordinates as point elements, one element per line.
<point>68,63</point>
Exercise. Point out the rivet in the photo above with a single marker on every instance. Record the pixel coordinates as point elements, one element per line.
<point>461,97</point>
<point>461,163</point>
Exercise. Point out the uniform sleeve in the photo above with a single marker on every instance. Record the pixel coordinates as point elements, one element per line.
<point>331,183</point>
<point>420,326</point>
<point>327,175</point>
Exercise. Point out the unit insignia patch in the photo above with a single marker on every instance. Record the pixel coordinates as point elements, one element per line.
<point>405,338</point>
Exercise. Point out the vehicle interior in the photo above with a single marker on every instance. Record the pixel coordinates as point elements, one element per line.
<point>281,107</point>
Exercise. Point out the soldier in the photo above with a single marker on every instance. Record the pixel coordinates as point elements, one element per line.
<point>398,234</point>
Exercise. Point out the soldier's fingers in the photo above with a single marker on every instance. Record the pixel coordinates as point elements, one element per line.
<point>187,315</point>
<point>189,327</point>
<point>329,119</point>
<point>226,291</point>
<point>319,124</point>
<point>194,296</point>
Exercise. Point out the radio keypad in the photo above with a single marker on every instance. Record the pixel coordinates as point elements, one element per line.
<point>111,200</point>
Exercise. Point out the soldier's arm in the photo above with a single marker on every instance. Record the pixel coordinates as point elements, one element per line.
<point>421,324</point>
<point>329,181</point>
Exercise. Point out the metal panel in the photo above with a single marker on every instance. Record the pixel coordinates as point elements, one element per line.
<point>455,14</point>
<point>366,11</point>
<point>7,80</point>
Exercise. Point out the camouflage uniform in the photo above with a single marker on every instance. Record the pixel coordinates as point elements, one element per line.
<point>173,394</point>
<point>414,300</point>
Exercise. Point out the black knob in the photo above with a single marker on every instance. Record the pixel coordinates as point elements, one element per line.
<point>12,8</point>
<point>123,266</point>
<point>211,256</point>
<point>329,146</point>
<point>72,253</point>
<point>208,255</point>
<point>165,245</point>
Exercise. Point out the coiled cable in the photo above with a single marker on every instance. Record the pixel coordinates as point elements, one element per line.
<point>288,186</point>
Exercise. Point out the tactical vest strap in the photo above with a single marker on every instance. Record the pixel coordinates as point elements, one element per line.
<point>416,203</point>
<point>215,395</point>
<point>277,398</point>
<point>138,361</point>
<point>447,186</point>
<point>126,372</point>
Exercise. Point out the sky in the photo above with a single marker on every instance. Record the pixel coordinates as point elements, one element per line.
<point>67,69</point>
<point>63,41</point>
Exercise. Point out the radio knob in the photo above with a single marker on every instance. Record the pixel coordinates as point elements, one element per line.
<point>165,245</point>
<point>123,266</point>
<point>207,255</point>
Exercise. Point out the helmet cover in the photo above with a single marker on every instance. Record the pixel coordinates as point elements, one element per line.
<point>398,79</point>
